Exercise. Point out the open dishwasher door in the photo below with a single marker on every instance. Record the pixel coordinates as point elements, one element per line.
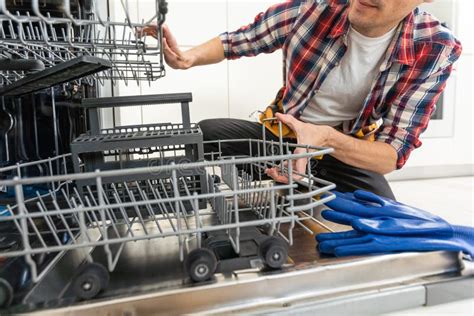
<point>149,275</point>
<point>145,284</point>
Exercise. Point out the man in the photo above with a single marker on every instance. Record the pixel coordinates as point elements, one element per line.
<point>360,76</point>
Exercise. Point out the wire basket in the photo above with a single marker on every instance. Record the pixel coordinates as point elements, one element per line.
<point>56,31</point>
<point>50,215</point>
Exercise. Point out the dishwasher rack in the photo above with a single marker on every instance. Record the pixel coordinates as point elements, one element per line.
<point>48,215</point>
<point>52,32</point>
<point>55,54</point>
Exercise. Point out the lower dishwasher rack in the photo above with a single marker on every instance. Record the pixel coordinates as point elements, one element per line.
<point>146,276</point>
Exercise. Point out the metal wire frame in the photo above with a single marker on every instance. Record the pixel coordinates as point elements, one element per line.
<point>40,35</point>
<point>115,209</point>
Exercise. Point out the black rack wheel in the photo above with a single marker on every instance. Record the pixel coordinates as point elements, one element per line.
<point>274,252</point>
<point>6,293</point>
<point>201,264</point>
<point>216,179</point>
<point>91,281</point>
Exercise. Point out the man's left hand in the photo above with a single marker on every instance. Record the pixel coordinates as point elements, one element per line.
<point>306,134</point>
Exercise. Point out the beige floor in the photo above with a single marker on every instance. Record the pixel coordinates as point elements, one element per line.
<point>452,199</point>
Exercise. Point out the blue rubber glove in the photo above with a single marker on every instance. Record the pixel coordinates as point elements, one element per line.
<point>354,243</point>
<point>369,213</point>
<point>29,191</point>
<point>4,211</point>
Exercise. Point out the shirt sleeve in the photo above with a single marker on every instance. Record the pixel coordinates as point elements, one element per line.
<point>411,111</point>
<point>266,34</point>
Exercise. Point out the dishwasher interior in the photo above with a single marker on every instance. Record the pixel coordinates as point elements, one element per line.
<point>151,218</point>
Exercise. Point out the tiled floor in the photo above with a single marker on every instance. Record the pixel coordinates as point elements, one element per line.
<point>452,199</point>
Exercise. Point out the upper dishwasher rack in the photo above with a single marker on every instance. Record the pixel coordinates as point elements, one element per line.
<point>55,31</point>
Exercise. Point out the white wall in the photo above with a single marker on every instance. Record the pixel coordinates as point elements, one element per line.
<point>238,88</point>
<point>229,89</point>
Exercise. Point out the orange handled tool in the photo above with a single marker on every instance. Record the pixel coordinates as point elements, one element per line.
<point>272,125</point>
<point>368,132</point>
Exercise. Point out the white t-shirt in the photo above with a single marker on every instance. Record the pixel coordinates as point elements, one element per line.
<point>342,94</point>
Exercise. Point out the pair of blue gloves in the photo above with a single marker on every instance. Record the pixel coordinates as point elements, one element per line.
<point>382,226</point>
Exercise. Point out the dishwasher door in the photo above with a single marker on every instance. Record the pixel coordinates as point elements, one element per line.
<point>149,280</point>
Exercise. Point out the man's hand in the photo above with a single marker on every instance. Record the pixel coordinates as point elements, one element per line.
<point>306,134</point>
<point>211,52</point>
<point>174,57</point>
<point>373,156</point>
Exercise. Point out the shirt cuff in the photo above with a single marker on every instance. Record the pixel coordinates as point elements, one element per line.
<point>400,142</point>
<point>226,43</point>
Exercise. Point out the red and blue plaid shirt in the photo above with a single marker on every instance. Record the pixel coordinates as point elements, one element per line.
<point>312,35</point>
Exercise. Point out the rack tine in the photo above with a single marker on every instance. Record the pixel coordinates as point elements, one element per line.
<point>107,210</point>
<point>37,12</point>
<point>110,213</point>
<point>174,180</point>
<point>67,11</point>
<point>49,221</point>
<point>148,206</point>
<point>97,13</point>
<point>80,219</point>
<point>2,32</point>
<point>37,232</point>
<point>69,36</point>
<point>137,210</point>
<point>12,17</point>
<point>102,205</point>
<point>18,226</point>
<point>165,192</point>
<point>113,35</point>
<point>10,27</point>
<point>157,196</point>
<point>63,220</point>
<point>123,211</point>
<point>127,14</point>
<point>199,224</point>
<point>127,221</point>
<point>78,196</point>
<point>95,222</point>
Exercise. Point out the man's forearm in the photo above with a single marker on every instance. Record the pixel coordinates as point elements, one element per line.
<point>374,156</point>
<point>211,52</point>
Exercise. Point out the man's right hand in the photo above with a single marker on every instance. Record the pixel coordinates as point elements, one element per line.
<point>174,57</point>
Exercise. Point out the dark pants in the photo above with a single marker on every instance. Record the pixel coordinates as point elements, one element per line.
<point>346,177</point>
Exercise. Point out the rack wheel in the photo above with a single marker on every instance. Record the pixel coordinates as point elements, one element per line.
<point>201,264</point>
<point>6,293</point>
<point>216,179</point>
<point>274,252</point>
<point>93,279</point>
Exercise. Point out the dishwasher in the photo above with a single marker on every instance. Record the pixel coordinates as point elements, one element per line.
<point>152,219</point>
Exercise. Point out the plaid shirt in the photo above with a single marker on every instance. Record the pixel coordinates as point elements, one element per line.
<point>312,35</point>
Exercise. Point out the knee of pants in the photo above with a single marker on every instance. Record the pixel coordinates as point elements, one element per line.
<point>208,128</point>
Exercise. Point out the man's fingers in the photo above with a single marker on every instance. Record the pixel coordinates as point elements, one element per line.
<point>140,32</point>
<point>274,173</point>
<point>148,30</point>
<point>173,48</point>
<point>280,174</point>
<point>288,120</point>
<point>301,165</point>
<point>170,57</point>
<point>173,44</point>
<point>166,31</point>
<point>168,51</point>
